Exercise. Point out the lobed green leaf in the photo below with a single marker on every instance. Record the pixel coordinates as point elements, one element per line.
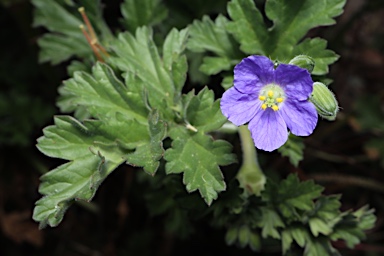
<point>161,80</point>
<point>210,36</point>
<point>103,95</point>
<point>248,27</point>
<point>139,13</point>
<point>149,153</point>
<point>292,195</point>
<point>92,155</point>
<point>66,39</point>
<point>202,111</point>
<point>293,149</point>
<point>198,157</point>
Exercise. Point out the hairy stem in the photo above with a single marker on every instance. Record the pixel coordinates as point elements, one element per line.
<point>250,175</point>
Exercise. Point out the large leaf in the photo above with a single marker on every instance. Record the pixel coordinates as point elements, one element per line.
<point>102,94</point>
<point>139,13</point>
<point>198,157</point>
<point>290,24</point>
<point>161,80</point>
<point>93,153</point>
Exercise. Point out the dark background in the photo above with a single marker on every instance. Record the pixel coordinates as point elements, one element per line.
<point>345,156</point>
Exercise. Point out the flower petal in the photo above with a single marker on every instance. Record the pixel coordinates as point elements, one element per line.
<point>268,130</point>
<point>296,82</point>
<point>300,117</point>
<point>252,73</point>
<point>238,107</point>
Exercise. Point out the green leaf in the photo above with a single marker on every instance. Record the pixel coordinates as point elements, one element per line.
<point>202,111</point>
<point>227,82</point>
<point>139,13</point>
<point>293,149</point>
<point>269,223</point>
<point>319,226</point>
<point>319,247</point>
<point>198,157</point>
<point>214,65</point>
<point>248,26</point>
<point>66,39</point>
<point>103,95</point>
<point>291,195</point>
<point>351,228</point>
<point>139,55</point>
<point>316,48</point>
<point>56,48</point>
<point>213,37</point>
<point>328,208</point>
<point>92,155</point>
<point>290,24</point>
<point>148,154</point>
<point>173,58</point>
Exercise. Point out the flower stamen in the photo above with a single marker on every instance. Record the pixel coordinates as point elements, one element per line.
<point>271,96</point>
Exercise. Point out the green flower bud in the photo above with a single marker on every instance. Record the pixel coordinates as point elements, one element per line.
<point>324,101</point>
<point>303,61</point>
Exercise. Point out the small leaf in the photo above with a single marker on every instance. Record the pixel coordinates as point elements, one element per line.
<point>286,240</point>
<point>202,112</point>
<point>227,82</point>
<point>291,195</point>
<point>214,65</point>
<point>269,223</point>
<point>139,13</point>
<point>198,157</point>
<point>318,226</point>
<point>148,155</point>
<point>293,149</point>
<point>316,48</point>
<point>173,58</point>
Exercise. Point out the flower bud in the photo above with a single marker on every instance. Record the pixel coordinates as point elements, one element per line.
<point>303,61</point>
<point>324,101</point>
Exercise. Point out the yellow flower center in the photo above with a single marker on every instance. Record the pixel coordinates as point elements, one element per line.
<point>271,96</point>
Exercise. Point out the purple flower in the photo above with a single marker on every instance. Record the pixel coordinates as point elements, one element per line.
<point>271,100</point>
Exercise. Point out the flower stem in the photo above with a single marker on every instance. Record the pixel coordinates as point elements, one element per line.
<point>250,175</point>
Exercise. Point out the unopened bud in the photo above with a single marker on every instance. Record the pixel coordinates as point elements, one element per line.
<point>303,61</point>
<point>324,101</point>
